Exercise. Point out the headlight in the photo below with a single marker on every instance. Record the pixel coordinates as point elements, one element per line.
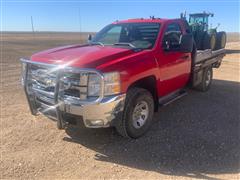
<point>111,83</point>
<point>24,66</point>
<point>94,84</point>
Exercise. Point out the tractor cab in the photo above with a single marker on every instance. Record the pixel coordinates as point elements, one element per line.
<point>199,21</point>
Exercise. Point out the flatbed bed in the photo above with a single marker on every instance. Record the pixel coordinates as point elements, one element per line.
<point>203,59</point>
<point>204,55</point>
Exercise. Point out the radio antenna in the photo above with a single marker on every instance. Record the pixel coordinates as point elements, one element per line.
<point>32,25</point>
<point>80,23</point>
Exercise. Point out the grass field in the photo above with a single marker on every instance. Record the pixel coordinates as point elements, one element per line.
<point>195,137</point>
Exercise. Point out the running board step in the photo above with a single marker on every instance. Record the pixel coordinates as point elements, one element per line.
<point>172,97</point>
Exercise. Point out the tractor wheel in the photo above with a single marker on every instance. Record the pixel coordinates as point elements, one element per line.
<point>209,41</point>
<point>221,40</point>
<point>199,40</point>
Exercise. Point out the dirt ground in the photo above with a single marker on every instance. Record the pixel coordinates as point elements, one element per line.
<point>195,137</point>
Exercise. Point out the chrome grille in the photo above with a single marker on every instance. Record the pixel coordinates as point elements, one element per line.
<point>43,82</point>
<point>51,84</point>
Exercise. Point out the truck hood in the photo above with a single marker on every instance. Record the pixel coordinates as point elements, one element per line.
<point>85,56</point>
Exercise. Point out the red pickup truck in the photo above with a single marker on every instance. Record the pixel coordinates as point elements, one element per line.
<point>120,77</point>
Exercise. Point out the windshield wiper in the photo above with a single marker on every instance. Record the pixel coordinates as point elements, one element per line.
<point>96,43</point>
<point>136,49</point>
<point>125,44</point>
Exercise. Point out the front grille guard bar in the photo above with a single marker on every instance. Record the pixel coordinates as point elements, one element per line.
<point>58,100</point>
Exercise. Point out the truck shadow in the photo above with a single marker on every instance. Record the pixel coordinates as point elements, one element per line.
<point>191,137</point>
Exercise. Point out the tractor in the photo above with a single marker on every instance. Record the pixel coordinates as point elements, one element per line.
<point>205,37</point>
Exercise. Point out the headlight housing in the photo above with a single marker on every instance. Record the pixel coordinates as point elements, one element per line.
<point>94,85</point>
<point>89,84</point>
<point>111,84</point>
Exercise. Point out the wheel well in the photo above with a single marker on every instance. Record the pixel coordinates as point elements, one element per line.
<point>149,83</point>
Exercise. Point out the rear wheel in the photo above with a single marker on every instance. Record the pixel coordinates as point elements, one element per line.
<point>221,40</point>
<point>138,113</point>
<point>206,80</point>
<point>209,41</point>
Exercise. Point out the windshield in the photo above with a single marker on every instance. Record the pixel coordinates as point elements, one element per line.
<point>198,20</point>
<point>137,35</point>
<point>198,23</point>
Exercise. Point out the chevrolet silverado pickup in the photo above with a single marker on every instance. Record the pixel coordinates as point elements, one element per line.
<point>120,77</point>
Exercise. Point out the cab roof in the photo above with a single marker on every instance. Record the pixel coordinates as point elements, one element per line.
<point>142,20</point>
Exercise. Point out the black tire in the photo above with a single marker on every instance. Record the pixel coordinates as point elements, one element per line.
<point>221,40</point>
<point>209,41</point>
<point>206,80</point>
<point>126,126</point>
<point>199,40</point>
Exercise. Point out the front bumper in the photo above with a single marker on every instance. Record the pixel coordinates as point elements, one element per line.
<point>98,115</point>
<point>101,113</point>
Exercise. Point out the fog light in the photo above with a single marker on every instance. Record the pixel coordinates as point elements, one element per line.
<point>95,122</point>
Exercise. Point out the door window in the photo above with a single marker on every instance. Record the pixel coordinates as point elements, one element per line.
<point>172,36</point>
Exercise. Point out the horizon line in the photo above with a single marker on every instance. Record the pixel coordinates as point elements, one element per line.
<point>71,32</point>
<point>49,31</point>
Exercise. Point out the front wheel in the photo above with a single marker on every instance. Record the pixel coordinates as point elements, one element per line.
<point>138,113</point>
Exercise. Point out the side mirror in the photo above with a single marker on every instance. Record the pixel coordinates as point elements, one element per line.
<point>186,43</point>
<point>89,37</point>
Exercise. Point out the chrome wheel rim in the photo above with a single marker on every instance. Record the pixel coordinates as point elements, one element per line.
<point>140,114</point>
<point>208,78</point>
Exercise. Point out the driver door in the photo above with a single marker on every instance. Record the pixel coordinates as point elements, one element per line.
<point>174,65</point>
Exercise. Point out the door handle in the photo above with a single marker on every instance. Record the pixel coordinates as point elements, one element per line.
<point>185,57</point>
